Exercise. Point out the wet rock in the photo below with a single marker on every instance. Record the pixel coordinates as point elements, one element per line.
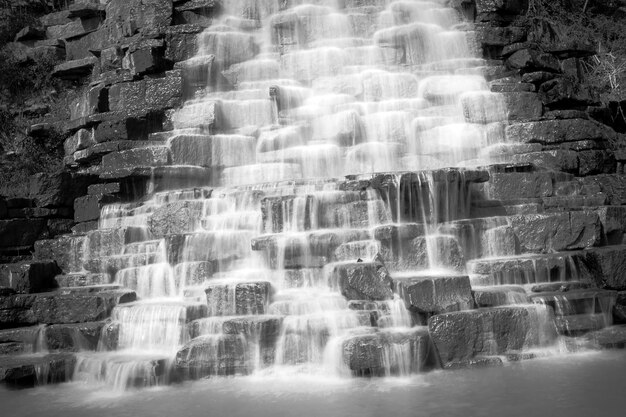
<point>239,298</point>
<point>361,280</point>
<point>88,208</point>
<point>175,218</point>
<point>125,18</point>
<point>554,160</point>
<point>15,311</point>
<point>613,186</point>
<point>212,151</point>
<point>73,337</point>
<point>559,286</point>
<point>499,295</point>
<point>437,251</point>
<point>212,355</point>
<point>385,353</point>
<point>557,231</point>
<point>29,277</point>
<point>140,157</point>
<point>515,185</point>
<point>181,42</point>
<point>605,266</point>
<point>36,369</point>
<point>558,131</point>
<point>463,335</point>
<point>228,47</point>
<point>609,338</point>
<point>53,308</point>
<point>477,362</point>
<point>434,294</point>
<point>66,251</point>
<point>150,93</point>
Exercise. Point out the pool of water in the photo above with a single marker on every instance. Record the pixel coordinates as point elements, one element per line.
<point>589,384</point>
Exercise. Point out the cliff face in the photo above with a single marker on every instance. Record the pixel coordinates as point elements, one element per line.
<point>118,69</point>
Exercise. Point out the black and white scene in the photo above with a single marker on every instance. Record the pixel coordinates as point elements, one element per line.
<point>312,208</point>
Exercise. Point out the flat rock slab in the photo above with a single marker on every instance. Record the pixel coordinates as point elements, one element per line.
<point>212,355</point>
<point>499,295</point>
<point>613,337</point>
<point>361,280</point>
<point>225,299</point>
<point>388,352</point>
<point>29,370</point>
<point>435,294</point>
<point>29,277</point>
<point>463,335</point>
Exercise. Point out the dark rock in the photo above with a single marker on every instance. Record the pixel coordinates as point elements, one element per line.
<point>557,231</point>
<point>59,189</point>
<point>558,131</point>
<point>593,162</point>
<point>66,251</point>
<point>181,42</point>
<point>370,353</point>
<point>530,60</point>
<point>213,355</point>
<point>30,33</point>
<point>523,105</point>
<point>53,308</point>
<point>605,266</point>
<point>73,337</point>
<point>152,156</point>
<point>477,362</point>
<point>613,186</point>
<point>562,92</point>
<point>125,18</point>
<point>36,370</point>
<point>434,294</point>
<point>76,69</point>
<point>107,188</point>
<point>554,160</point>
<point>29,277</point>
<point>443,251</point>
<point>560,286</point>
<point>609,338</point>
<point>511,186</point>
<point>499,295</point>
<point>21,232</point>
<point>88,207</point>
<point>463,335</point>
<point>538,77</point>
<point>212,151</point>
<point>361,280</point>
<point>151,93</point>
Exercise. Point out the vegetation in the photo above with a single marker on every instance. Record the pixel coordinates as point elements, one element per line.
<point>596,22</point>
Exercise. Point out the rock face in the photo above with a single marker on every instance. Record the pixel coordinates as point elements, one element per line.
<point>362,280</point>
<point>461,336</point>
<point>212,355</point>
<point>435,294</point>
<point>383,353</point>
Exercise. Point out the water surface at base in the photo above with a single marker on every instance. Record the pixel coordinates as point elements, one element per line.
<point>574,385</point>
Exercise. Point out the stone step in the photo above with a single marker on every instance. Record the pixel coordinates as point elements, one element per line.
<point>388,352</point>
<point>82,279</point>
<point>427,294</point>
<point>263,329</point>
<point>499,295</point>
<point>226,298</point>
<point>121,371</point>
<point>213,355</point>
<point>461,336</point>
<point>30,370</point>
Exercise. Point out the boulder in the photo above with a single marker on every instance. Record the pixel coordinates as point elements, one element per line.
<point>75,69</point>
<point>53,308</point>
<point>530,60</point>
<point>558,131</point>
<point>523,105</point>
<point>181,42</point>
<point>613,337</point>
<point>499,295</point>
<point>592,162</point>
<point>605,266</point>
<point>460,336</point>
<point>21,232</point>
<point>560,92</point>
<point>152,156</point>
<point>125,18</point>
<point>213,355</point>
<point>212,151</point>
<point>66,251</point>
<point>239,298</point>
<point>29,276</point>
<point>361,280</point>
<point>228,47</point>
<point>385,353</point>
<point>27,370</point>
<point>557,231</point>
<point>613,186</point>
<point>73,337</point>
<point>435,251</point>
<point>554,160</point>
<point>148,94</point>
<point>88,207</point>
<point>430,294</point>
<point>175,218</point>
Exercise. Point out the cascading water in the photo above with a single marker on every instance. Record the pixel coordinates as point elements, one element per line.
<point>249,271</point>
